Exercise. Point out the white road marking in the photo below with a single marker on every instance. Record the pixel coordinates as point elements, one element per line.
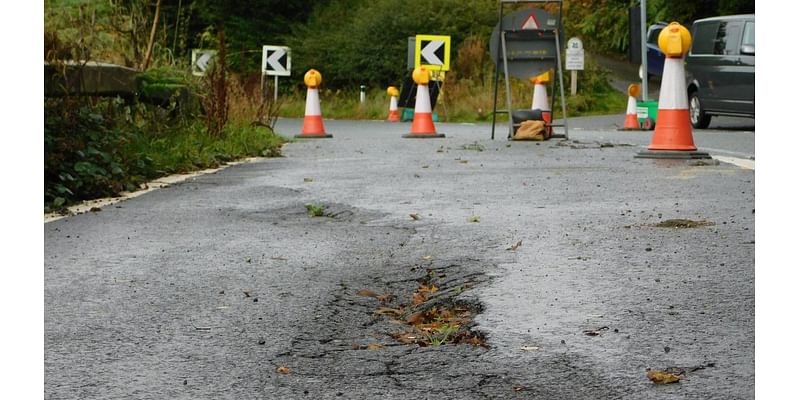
<point>740,162</point>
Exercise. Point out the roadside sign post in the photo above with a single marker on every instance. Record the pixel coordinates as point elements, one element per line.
<point>575,62</point>
<point>275,61</point>
<point>643,24</point>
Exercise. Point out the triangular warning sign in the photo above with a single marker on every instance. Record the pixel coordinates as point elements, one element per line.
<point>531,23</point>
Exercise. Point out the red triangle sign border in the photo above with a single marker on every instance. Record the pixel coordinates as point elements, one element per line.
<point>531,22</point>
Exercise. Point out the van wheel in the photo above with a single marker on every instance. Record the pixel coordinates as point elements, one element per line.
<point>697,115</point>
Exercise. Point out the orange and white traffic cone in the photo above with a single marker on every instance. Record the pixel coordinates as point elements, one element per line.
<point>422,126</point>
<point>540,99</point>
<point>394,116</point>
<point>631,119</point>
<point>312,122</point>
<point>673,135</point>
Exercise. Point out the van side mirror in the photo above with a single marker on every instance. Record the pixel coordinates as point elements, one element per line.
<point>748,50</point>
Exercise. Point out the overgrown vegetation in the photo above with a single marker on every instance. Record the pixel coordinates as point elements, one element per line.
<point>102,146</point>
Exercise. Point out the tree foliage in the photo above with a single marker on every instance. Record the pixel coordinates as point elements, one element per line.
<point>350,41</point>
<point>356,41</point>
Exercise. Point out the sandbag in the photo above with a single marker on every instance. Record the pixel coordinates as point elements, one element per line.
<point>531,130</point>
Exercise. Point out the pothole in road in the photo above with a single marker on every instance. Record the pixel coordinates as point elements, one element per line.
<point>431,315</point>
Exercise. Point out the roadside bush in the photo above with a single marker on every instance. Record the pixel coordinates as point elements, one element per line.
<point>85,152</point>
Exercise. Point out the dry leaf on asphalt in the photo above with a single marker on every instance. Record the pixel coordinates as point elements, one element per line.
<point>415,217</point>
<point>515,247</point>
<point>427,258</point>
<point>595,332</point>
<point>389,311</point>
<point>404,337</point>
<point>661,377</point>
<point>416,318</point>
<point>283,370</point>
<point>374,346</point>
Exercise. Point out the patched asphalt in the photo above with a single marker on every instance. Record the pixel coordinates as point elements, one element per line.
<point>222,286</point>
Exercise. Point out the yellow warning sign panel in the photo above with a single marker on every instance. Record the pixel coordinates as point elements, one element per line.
<point>432,52</point>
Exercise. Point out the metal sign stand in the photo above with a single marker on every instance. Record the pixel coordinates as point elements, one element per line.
<point>503,48</point>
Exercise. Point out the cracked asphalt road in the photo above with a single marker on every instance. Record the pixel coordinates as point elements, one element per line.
<point>206,288</point>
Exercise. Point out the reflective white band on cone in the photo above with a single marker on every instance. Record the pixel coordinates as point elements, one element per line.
<point>312,102</point>
<point>423,104</point>
<point>673,86</point>
<point>393,104</point>
<point>540,98</point>
<point>631,105</point>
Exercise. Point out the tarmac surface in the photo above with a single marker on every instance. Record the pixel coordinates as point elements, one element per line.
<point>223,286</point>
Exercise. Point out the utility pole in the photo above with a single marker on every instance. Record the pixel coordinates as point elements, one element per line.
<point>643,25</point>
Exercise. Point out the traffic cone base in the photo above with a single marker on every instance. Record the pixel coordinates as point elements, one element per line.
<point>673,131</point>
<point>673,154</point>
<point>631,123</point>
<point>313,128</point>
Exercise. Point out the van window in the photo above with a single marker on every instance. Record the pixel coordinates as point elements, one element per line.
<point>727,41</point>
<point>652,38</point>
<point>749,37</point>
<point>704,36</point>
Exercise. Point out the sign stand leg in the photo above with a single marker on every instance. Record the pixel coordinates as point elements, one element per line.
<point>497,75</point>
<point>508,88</point>
<point>561,84</point>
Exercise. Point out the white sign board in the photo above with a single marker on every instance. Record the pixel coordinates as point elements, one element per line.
<point>575,56</point>
<point>202,60</point>
<point>276,60</point>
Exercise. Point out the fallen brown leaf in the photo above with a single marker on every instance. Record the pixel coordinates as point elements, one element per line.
<point>416,318</point>
<point>389,311</point>
<point>404,337</point>
<point>419,298</point>
<point>283,370</point>
<point>374,346</point>
<point>431,289</point>
<point>661,377</point>
<point>415,217</point>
